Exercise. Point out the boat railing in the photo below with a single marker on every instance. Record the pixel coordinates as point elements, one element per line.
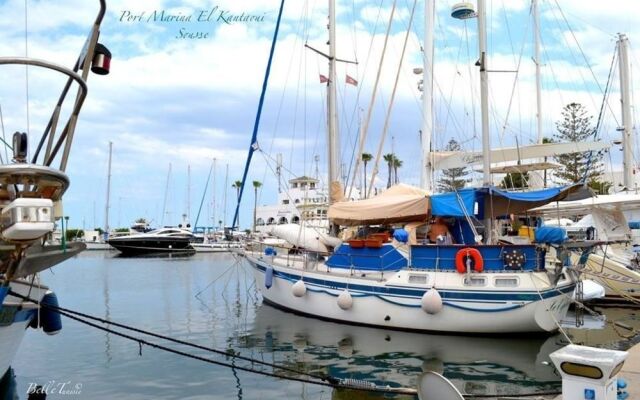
<point>86,58</point>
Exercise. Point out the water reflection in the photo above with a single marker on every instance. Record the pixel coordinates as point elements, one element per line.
<point>477,365</point>
<point>209,299</point>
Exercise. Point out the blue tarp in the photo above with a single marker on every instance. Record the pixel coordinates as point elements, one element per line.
<point>551,234</point>
<point>454,204</point>
<point>477,201</point>
<point>385,258</point>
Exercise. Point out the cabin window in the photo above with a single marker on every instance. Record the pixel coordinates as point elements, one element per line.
<point>506,282</point>
<point>616,370</point>
<point>295,219</point>
<point>271,221</point>
<point>475,281</point>
<point>282,221</point>
<point>286,201</point>
<point>297,201</point>
<point>581,370</point>
<point>259,222</point>
<point>418,279</point>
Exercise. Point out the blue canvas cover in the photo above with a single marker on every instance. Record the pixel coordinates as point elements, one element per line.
<point>495,201</point>
<point>550,234</point>
<point>385,258</point>
<point>454,204</point>
<point>4,290</point>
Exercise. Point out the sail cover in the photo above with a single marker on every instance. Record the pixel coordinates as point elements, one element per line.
<point>399,203</point>
<point>404,203</point>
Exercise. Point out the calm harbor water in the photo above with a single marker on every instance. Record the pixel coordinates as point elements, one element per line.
<point>209,299</point>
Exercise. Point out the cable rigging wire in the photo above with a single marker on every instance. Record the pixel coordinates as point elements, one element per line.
<point>600,115</point>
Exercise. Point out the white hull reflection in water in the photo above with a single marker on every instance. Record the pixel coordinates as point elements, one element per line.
<point>475,365</point>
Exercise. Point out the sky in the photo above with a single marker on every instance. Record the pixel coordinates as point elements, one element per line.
<point>184,91</point>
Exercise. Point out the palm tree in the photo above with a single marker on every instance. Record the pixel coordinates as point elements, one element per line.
<point>237,185</point>
<point>389,159</point>
<point>366,157</point>
<point>256,185</point>
<point>397,163</point>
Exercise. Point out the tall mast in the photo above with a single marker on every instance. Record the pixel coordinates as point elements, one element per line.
<point>484,94</point>
<point>166,192</point>
<point>332,117</point>
<point>224,201</point>
<point>106,208</point>
<point>427,97</point>
<point>627,124</point>
<point>215,218</point>
<point>536,61</point>
<point>188,194</point>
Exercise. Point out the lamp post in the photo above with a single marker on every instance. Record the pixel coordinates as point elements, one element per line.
<point>64,233</point>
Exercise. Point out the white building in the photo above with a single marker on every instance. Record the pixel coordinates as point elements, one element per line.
<point>304,201</point>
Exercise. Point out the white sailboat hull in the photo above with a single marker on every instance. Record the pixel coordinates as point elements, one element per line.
<point>399,308</point>
<point>619,281</point>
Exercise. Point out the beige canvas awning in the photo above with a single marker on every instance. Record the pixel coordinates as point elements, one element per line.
<point>399,203</point>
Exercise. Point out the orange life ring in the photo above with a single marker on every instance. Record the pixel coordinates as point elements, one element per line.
<point>462,254</point>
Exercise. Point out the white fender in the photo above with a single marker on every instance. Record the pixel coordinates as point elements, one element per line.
<point>431,302</point>
<point>345,301</point>
<point>299,289</point>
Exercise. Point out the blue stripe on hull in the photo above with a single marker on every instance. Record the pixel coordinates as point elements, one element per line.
<point>14,314</point>
<point>458,296</point>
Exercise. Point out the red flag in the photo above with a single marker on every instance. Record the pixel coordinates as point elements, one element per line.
<point>323,79</point>
<point>351,81</point>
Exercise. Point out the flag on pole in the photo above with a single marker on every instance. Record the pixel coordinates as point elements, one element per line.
<point>323,79</point>
<point>351,81</point>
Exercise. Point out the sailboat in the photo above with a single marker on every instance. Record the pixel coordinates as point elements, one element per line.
<point>390,279</point>
<point>31,201</point>
<point>605,218</point>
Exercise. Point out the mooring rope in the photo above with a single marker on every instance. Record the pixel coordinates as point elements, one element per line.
<point>310,378</point>
<point>316,379</point>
